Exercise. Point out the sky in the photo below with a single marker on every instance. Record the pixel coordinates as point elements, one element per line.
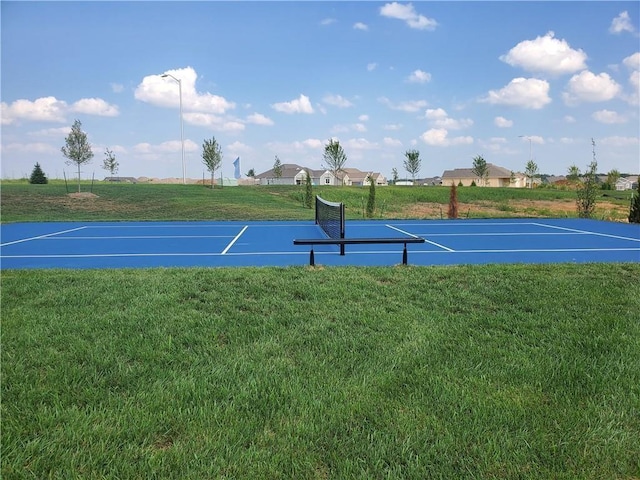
<point>510,81</point>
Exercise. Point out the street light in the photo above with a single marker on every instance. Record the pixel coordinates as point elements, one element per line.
<point>184,172</point>
<point>528,138</point>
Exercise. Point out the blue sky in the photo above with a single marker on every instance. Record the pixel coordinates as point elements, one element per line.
<point>450,79</point>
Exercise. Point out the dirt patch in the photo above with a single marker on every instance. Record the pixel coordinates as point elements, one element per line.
<point>82,195</point>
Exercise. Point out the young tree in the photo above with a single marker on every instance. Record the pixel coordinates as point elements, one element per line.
<point>453,202</point>
<point>334,157</point>
<point>531,171</point>
<point>480,169</point>
<point>277,168</point>
<point>110,163</point>
<point>394,173</point>
<point>573,173</point>
<point>38,176</point>
<point>412,163</point>
<point>587,191</point>
<point>612,177</point>
<point>308,193</point>
<point>634,211</point>
<point>212,156</point>
<point>371,201</point>
<point>251,173</point>
<point>77,148</point>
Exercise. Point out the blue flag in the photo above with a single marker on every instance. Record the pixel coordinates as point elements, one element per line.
<point>236,164</point>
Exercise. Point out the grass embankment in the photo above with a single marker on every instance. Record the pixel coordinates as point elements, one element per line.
<point>24,202</point>
<point>465,372</point>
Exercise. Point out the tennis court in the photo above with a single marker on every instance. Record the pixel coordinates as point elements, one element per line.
<point>235,244</point>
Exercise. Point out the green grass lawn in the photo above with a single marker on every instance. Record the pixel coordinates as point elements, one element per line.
<point>518,371</point>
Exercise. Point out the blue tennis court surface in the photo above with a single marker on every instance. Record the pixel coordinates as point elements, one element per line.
<point>217,244</point>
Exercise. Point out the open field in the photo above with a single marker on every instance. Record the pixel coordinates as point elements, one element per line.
<point>24,202</point>
<point>461,372</point>
<point>512,371</point>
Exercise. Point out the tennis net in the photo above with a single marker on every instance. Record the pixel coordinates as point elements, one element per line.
<point>330,217</point>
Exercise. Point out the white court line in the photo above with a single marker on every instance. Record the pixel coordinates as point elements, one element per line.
<point>428,241</point>
<point>588,232</point>
<point>41,236</point>
<point>122,237</point>
<point>503,234</point>
<point>234,240</point>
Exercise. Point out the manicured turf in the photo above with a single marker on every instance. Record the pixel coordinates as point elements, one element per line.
<point>265,373</point>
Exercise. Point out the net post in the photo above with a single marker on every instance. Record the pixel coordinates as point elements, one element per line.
<point>404,254</point>
<point>342,227</point>
<point>312,260</point>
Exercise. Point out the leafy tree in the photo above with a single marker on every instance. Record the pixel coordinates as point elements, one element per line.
<point>251,173</point>
<point>277,167</point>
<point>334,157</point>
<point>480,169</point>
<point>212,156</point>
<point>371,201</point>
<point>110,163</point>
<point>308,193</point>
<point>612,177</point>
<point>412,163</point>
<point>573,173</point>
<point>394,173</point>
<point>453,202</point>
<point>531,171</point>
<point>38,176</point>
<point>77,148</point>
<point>587,191</point>
<point>634,211</point>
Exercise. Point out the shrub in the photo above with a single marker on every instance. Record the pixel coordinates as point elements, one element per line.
<point>38,176</point>
<point>634,211</point>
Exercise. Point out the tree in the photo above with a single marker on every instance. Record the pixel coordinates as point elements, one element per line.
<point>480,169</point>
<point>38,176</point>
<point>634,211</point>
<point>531,171</point>
<point>573,173</point>
<point>334,157</point>
<point>308,193</point>
<point>251,173</point>
<point>612,177</point>
<point>277,168</point>
<point>453,202</point>
<point>212,156</point>
<point>586,192</point>
<point>412,163</point>
<point>110,163</point>
<point>371,201</point>
<point>394,173</point>
<point>77,148</point>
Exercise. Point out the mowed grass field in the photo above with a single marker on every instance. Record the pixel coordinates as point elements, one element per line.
<point>510,371</point>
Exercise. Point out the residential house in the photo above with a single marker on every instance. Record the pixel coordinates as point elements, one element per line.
<point>290,174</point>
<point>627,183</point>
<point>293,174</point>
<point>498,177</point>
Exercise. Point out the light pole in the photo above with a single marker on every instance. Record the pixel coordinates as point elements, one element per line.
<point>528,138</point>
<point>184,171</point>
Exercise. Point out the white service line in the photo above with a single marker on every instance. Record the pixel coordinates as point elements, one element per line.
<point>428,241</point>
<point>588,232</point>
<point>42,236</point>
<point>139,237</point>
<point>235,240</point>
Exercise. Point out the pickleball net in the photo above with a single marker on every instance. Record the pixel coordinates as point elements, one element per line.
<point>330,217</point>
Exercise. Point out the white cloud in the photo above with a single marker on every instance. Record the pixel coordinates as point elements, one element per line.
<point>259,119</point>
<point>237,148</point>
<point>164,92</point>
<point>440,118</point>
<point>409,15</point>
<point>408,106</point>
<point>171,146</point>
<point>337,101</point>
<point>622,23</point>
<point>391,142</point>
<point>439,137</point>
<point>214,122</point>
<point>371,66</point>
<point>95,106</point>
<point>299,105</point>
<point>608,116</point>
<point>360,144</point>
<point>569,119</point>
<point>360,26</point>
<point>363,118</point>
<point>117,87</point>
<point>502,122</point>
<point>546,55</point>
<point>588,87</point>
<point>45,109</point>
<point>297,146</point>
<point>617,141</point>
<point>632,62</point>
<point>393,126</point>
<point>521,92</point>
<point>418,76</point>
<point>59,132</point>
<point>31,148</point>
<point>533,138</point>
<point>327,21</point>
